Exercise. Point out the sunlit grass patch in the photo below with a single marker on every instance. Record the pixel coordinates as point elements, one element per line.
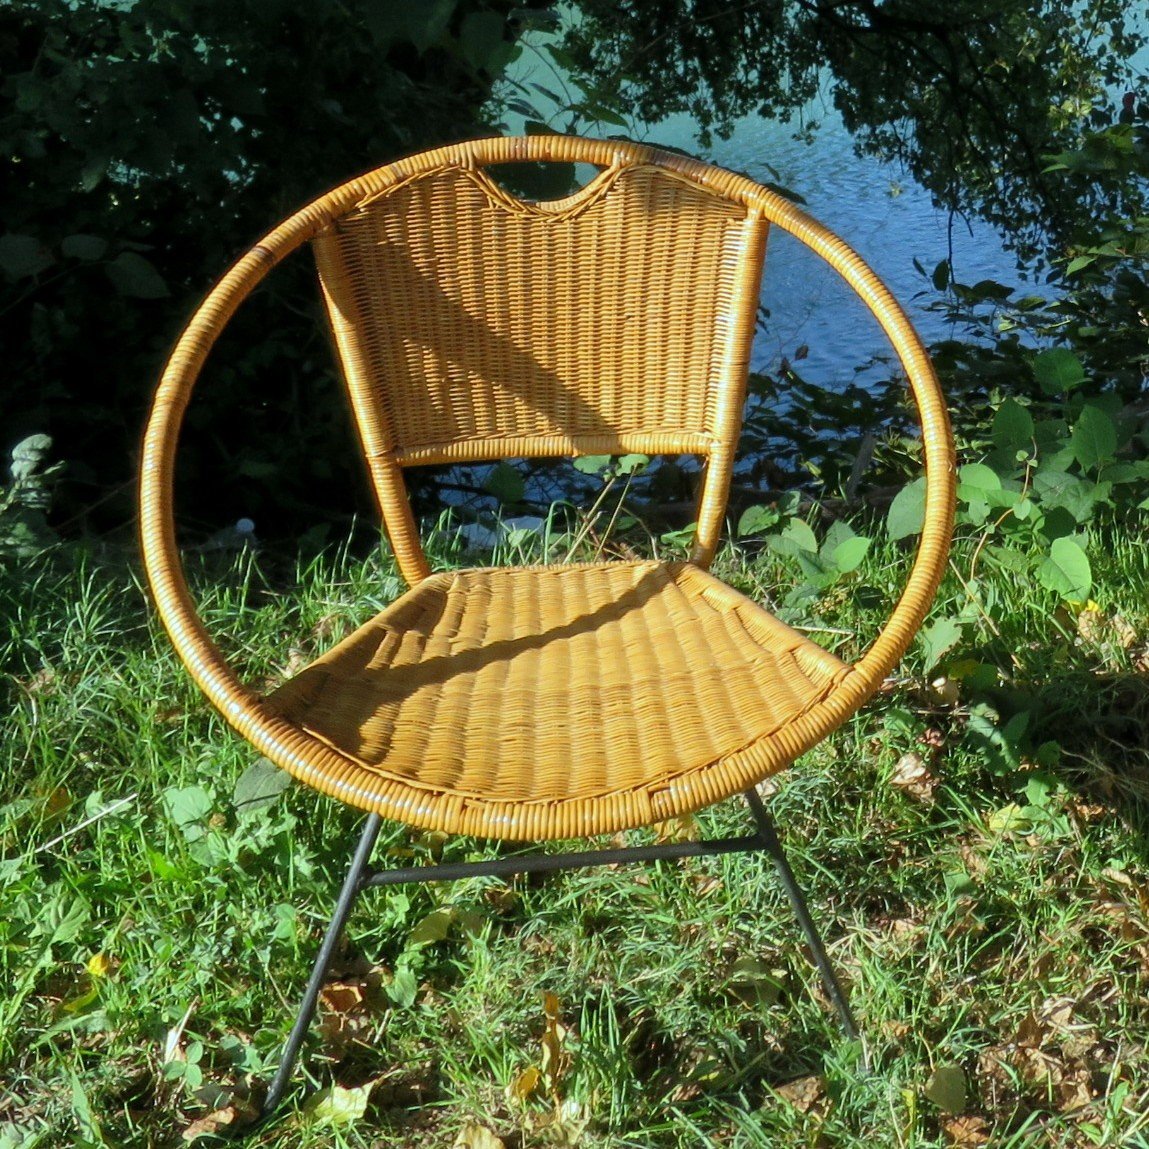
<point>980,884</point>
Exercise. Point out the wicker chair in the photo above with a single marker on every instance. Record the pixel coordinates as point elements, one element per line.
<point>544,702</point>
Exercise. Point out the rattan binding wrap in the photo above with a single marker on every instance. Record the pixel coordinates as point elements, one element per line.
<point>631,332</point>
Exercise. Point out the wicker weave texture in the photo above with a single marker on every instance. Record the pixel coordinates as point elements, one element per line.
<point>392,684</point>
<point>552,684</point>
<point>541,332</point>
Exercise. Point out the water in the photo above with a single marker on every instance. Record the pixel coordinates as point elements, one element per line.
<point>886,216</point>
<point>879,210</point>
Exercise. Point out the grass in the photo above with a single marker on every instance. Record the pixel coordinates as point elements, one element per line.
<point>982,885</point>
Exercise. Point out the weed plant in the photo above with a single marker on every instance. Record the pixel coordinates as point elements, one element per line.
<point>981,879</point>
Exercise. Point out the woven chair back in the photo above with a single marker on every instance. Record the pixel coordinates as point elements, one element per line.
<point>474,325</point>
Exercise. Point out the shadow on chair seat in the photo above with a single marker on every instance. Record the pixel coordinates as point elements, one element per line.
<point>519,700</point>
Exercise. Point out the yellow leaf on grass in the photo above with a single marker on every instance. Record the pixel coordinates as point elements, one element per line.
<point>554,1057</point>
<point>473,1136</point>
<point>338,1106</point>
<point>523,1084</point>
<point>99,965</point>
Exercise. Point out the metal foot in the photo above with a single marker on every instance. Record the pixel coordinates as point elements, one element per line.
<point>352,885</point>
<point>772,846</point>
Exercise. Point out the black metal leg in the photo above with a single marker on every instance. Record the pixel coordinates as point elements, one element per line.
<point>352,885</point>
<point>359,878</point>
<point>773,847</point>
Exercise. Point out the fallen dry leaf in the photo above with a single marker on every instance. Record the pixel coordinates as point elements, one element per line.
<point>966,1131</point>
<point>804,1094</point>
<point>523,1084</point>
<point>555,1059</point>
<point>224,1120</point>
<point>473,1136</point>
<point>682,828</point>
<point>914,776</point>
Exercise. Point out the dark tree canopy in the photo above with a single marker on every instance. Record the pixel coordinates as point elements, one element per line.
<point>145,145</point>
<point>971,95</point>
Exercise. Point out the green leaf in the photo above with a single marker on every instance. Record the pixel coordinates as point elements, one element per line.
<point>848,555</point>
<point>947,1089</point>
<point>506,484</point>
<point>1057,489</point>
<point>796,536</point>
<point>941,275</point>
<point>427,22</point>
<point>85,247</point>
<point>27,456</point>
<point>976,480</point>
<point>1066,571</point>
<point>1012,426</point>
<point>592,464</point>
<point>1094,438</point>
<point>22,256</point>
<point>259,788</point>
<point>136,277</point>
<point>937,639</point>
<point>1058,370</point>
<point>433,928</point>
<point>481,38</point>
<point>404,986</point>
<point>756,982</point>
<point>633,464</point>
<point>187,804</point>
<point>756,521</point>
<point>907,512</point>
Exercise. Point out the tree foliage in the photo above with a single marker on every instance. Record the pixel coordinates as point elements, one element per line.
<point>971,95</point>
<point>145,145</point>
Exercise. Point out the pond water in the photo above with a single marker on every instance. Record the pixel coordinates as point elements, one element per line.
<point>878,209</point>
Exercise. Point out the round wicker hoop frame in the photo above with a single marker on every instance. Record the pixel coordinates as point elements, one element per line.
<point>319,764</point>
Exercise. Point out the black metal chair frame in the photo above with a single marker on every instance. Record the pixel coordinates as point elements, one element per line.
<point>361,877</point>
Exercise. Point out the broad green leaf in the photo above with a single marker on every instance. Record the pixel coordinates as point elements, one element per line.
<point>941,275</point>
<point>433,928</point>
<point>592,464</point>
<point>960,885</point>
<point>187,804</point>
<point>756,981</point>
<point>839,531</point>
<point>756,520</point>
<point>1066,571</point>
<point>337,1106</point>
<point>22,256</point>
<point>1094,438</point>
<point>938,638</point>
<point>907,511</point>
<point>1058,489</point>
<point>259,787</point>
<point>947,1089</point>
<point>136,277</point>
<point>975,480</point>
<point>1012,426</point>
<point>1010,819</point>
<point>848,555</point>
<point>505,483</point>
<point>85,247</point>
<point>28,455</point>
<point>481,38</point>
<point>404,986</point>
<point>796,536</point>
<point>632,464</point>
<point>1058,370</point>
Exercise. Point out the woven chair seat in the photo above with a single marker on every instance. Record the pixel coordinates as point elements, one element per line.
<point>643,684</point>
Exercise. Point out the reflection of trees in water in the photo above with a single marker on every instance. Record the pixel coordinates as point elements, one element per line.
<point>973,97</point>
